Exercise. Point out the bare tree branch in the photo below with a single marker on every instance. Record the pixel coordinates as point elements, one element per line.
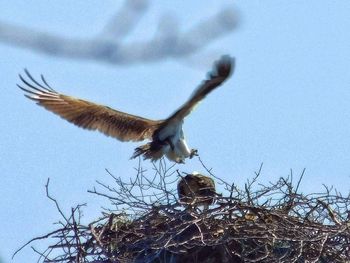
<point>110,47</point>
<point>124,21</point>
<point>149,224</point>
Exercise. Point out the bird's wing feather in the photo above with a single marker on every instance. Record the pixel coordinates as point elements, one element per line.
<point>88,115</point>
<point>222,70</point>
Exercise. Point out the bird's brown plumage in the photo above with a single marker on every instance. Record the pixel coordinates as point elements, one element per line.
<point>222,70</point>
<point>196,189</point>
<point>124,126</point>
<point>89,115</point>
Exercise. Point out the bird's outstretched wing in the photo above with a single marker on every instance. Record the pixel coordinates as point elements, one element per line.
<point>222,70</point>
<point>88,115</point>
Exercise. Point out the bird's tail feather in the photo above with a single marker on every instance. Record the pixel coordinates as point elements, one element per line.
<point>148,151</point>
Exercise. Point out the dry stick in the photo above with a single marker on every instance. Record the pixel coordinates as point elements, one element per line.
<point>34,239</point>
<point>54,200</point>
<point>156,227</point>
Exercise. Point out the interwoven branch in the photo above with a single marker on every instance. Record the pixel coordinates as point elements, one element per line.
<point>258,223</point>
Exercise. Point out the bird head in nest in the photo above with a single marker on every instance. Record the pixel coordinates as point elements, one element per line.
<point>196,189</point>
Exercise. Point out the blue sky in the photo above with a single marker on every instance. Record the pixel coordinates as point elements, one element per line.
<point>287,104</point>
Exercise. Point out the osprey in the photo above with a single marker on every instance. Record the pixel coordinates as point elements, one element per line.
<point>196,189</point>
<point>166,136</point>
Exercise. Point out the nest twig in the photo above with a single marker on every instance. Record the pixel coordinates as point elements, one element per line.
<point>259,223</point>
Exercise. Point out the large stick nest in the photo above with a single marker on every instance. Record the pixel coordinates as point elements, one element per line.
<point>259,223</point>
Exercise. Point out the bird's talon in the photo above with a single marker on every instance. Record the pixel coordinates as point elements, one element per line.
<point>194,152</point>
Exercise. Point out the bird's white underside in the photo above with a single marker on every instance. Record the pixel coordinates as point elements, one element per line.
<point>175,134</point>
<point>172,131</point>
<point>167,135</point>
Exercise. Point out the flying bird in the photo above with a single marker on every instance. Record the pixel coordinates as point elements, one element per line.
<point>196,189</point>
<point>166,136</point>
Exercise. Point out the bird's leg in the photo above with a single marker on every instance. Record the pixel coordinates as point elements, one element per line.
<point>194,152</point>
